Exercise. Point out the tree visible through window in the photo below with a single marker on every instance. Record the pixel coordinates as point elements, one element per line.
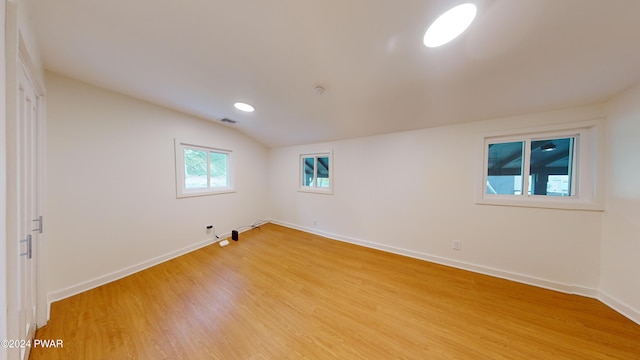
<point>205,170</point>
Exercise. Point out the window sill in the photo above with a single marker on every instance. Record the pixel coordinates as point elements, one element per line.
<point>316,191</point>
<point>561,203</point>
<point>205,193</point>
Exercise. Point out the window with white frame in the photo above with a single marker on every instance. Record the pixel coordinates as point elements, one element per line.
<point>202,170</point>
<point>555,167</point>
<point>316,173</point>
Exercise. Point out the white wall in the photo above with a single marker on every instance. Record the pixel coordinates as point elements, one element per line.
<point>111,185</point>
<point>621,231</point>
<point>413,193</point>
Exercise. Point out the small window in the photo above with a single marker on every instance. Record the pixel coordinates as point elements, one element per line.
<point>202,170</point>
<point>550,171</point>
<point>315,173</point>
<point>553,169</point>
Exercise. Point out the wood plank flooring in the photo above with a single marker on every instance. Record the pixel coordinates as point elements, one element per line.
<point>283,294</point>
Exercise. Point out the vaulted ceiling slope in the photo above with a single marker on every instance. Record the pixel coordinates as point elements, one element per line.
<point>201,56</point>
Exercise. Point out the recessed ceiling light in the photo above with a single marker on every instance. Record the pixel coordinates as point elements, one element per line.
<point>244,107</point>
<point>450,25</point>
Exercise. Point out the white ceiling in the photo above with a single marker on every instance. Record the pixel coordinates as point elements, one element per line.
<point>201,56</point>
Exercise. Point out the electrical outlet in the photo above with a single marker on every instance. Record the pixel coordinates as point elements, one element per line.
<point>211,230</point>
<point>315,222</point>
<point>457,245</point>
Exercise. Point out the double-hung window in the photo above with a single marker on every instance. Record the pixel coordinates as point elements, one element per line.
<point>552,168</point>
<point>202,170</point>
<point>316,174</point>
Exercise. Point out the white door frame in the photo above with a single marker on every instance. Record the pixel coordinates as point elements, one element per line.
<point>3,185</point>
<point>16,56</point>
<point>28,210</point>
<point>42,314</point>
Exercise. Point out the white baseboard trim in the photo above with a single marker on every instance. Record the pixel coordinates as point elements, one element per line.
<point>608,300</point>
<point>616,305</point>
<point>619,306</point>
<point>104,279</point>
<point>130,270</point>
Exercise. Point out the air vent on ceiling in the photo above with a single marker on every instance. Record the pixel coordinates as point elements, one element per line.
<point>228,121</point>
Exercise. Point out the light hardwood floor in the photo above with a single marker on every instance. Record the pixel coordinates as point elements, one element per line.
<point>283,294</point>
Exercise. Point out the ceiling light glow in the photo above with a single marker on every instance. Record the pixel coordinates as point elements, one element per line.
<point>548,147</point>
<point>244,107</point>
<point>450,25</point>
